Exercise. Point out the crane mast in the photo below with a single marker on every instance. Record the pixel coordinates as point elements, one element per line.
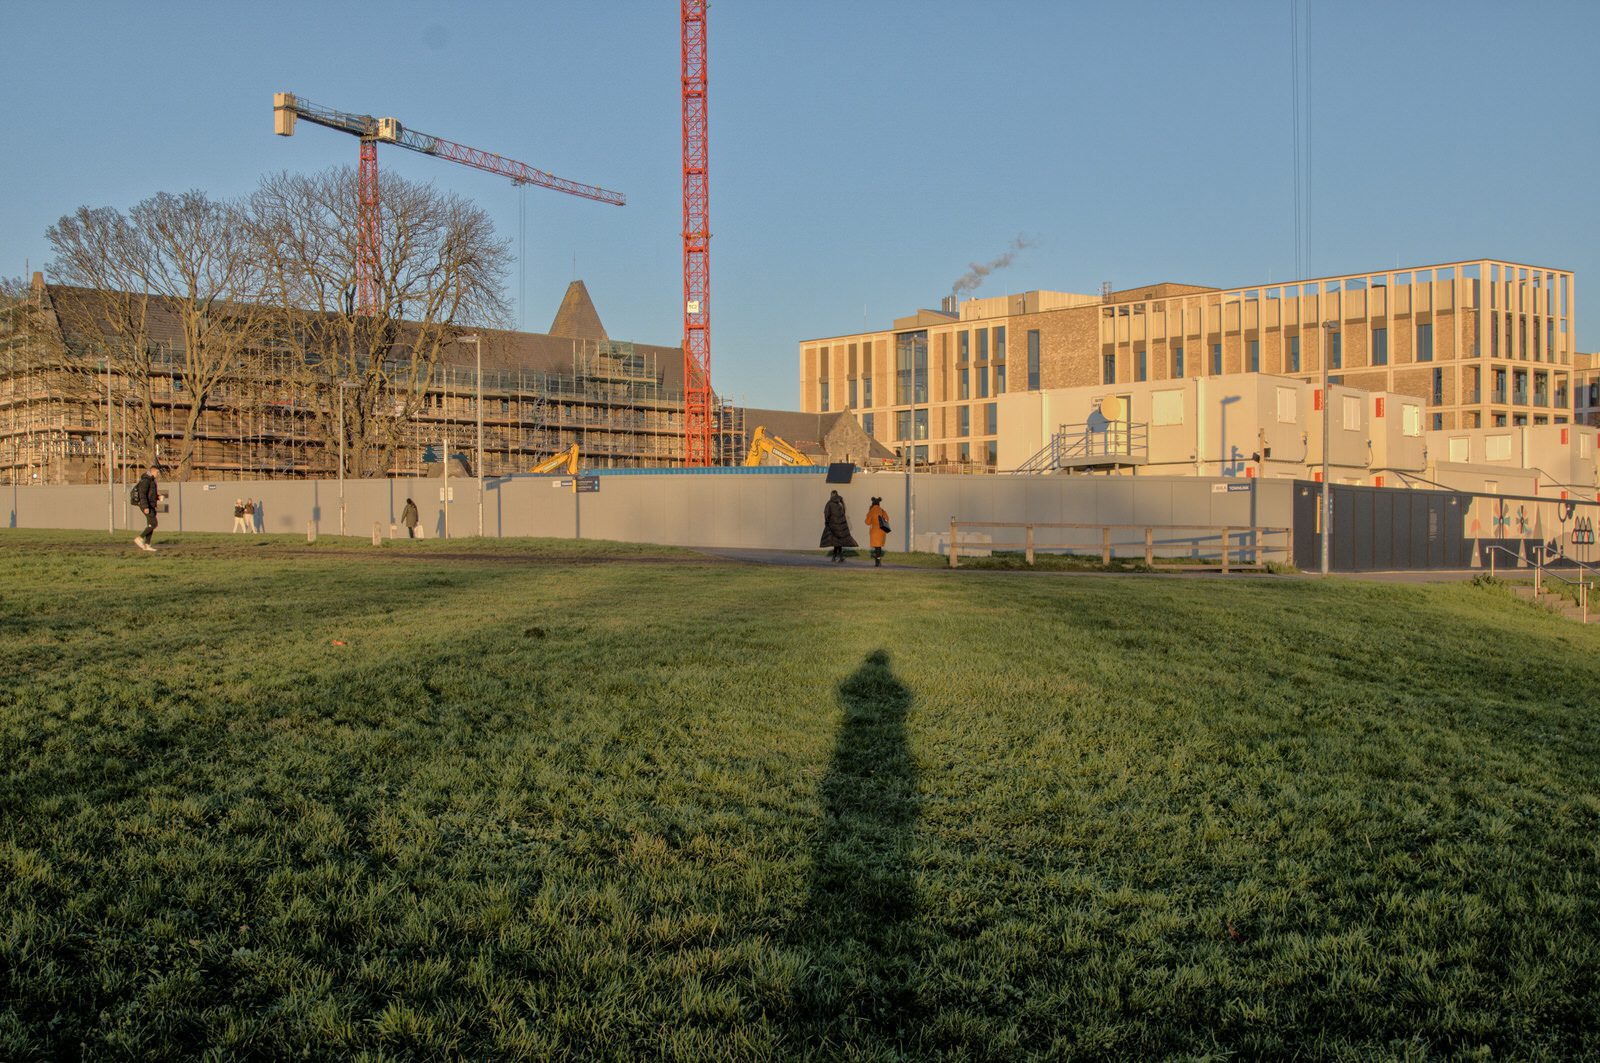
<point>697,428</point>
<point>288,108</point>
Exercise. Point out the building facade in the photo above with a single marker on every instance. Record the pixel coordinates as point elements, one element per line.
<point>62,420</point>
<point>1482,343</point>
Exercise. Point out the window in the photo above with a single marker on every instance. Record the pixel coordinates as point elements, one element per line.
<point>1336,351</point>
<point>1255,356</point>
<point>1286,405</point>
<point>1109,369</point>
<point>964,452</point>
<point>902,424</point>
<point>1000,343</point>
<point>866,423</point>
<point>1294,354</point>
<point>1410,419</point>
<point>1000,378</point>
<point>1438,387</point>
<point>963,391</point>
<point>1424,343</point>
<point>1139,365</point>
<point>920,423</point>
<point>1494,334</point>
<point>1491,487</point>
<point>1460,448</point>
<point>866,391</point>
<point>1497,448</point>
<point>983,345</point>
<point>1351,404</point>
<point>991,453</point>
<point>1166,408</point>
<point>983,381</point>
<point>961,347</point>
<point>824,396</point>
<point>964,421</point>
<point>911,367</point>
<point>1216,360</point>
<point>1438,422</point>
<point>853,393</point>
<point>1177,363</point>
<point>991,419</point>
<point>1033,359</point>
<point>1380,346</point>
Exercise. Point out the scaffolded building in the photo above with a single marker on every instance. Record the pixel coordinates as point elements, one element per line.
<point>66,421</point>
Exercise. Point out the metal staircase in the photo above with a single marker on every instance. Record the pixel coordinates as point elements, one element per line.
<point>1092,444</point>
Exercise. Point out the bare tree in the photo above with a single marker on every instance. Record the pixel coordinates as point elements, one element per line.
<point>441,269</point>
<point>171,302</point>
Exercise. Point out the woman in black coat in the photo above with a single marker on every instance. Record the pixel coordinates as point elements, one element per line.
<point>836,527</point>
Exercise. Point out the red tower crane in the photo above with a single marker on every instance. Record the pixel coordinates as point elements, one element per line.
<point>697,428</point>
<point>287,107</point>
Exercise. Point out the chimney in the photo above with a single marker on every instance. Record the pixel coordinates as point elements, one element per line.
<point>948,305</point>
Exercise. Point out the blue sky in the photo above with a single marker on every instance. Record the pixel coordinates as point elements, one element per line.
<point>862,154</point>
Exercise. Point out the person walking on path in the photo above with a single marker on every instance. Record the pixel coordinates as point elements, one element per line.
<point>877,530</point>
<point>836,527</point>
<point>238,515</point>
<point>410,518</point>
<point>147,497</point>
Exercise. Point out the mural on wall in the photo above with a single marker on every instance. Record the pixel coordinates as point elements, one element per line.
<point>1562,528</point>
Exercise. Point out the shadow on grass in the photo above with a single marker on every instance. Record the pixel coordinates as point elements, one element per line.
<point>857,934</point>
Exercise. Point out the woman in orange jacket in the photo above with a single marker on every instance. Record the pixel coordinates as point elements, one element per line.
<point>878,528</point>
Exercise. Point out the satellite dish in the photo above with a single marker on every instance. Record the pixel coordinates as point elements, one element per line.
<point>1111,408</point>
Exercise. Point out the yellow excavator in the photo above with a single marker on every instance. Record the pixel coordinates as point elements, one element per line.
<point>763,445</point>
<point>566,461</point>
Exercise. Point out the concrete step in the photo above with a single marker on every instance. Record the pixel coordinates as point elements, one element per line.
<point>1554,602</point>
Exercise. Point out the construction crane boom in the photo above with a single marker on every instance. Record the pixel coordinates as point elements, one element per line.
<point>287,108</point>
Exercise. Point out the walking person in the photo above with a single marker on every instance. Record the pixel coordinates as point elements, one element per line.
<point>836,528</point>
<point>147,496</point>
<point>410,518</point>
<point>877,530</point>
<point>249,515</point>
<point>238,515</point>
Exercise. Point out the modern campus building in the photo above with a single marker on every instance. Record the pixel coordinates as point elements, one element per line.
<point>1482,343</point>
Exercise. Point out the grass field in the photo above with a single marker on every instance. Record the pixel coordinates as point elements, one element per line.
<point>562,800</point>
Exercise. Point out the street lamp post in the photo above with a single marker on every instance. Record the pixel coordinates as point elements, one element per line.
<point>111,458</point>
<point>343,384</point>
<point>477,344</point>
<point>1328,328</point>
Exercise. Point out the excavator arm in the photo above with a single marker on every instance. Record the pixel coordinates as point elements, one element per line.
<point>763,446</point>
<point>566,461</point>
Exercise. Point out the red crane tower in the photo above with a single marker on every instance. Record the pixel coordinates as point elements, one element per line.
<point>287,107</point>
<point>697,428</point>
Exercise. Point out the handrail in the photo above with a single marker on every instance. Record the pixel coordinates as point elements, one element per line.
<point>1255,547</point>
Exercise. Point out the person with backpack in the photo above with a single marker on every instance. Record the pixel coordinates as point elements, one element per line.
<point>877,530</point>
<point>146,497</point>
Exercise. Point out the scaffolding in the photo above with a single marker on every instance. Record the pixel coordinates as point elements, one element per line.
<point>270,419</point>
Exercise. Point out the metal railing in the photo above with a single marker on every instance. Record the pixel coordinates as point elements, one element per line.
<point>1091,443</point>
<point>1210,539</point>
<point>1541,559</point>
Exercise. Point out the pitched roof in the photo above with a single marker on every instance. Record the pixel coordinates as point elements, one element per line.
<point>805,432</point>
<point>578,319</point>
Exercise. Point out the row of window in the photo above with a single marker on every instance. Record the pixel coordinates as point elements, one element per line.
<point>907,421</point>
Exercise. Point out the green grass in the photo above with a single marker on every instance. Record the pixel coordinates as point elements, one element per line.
<point>648,806</point>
